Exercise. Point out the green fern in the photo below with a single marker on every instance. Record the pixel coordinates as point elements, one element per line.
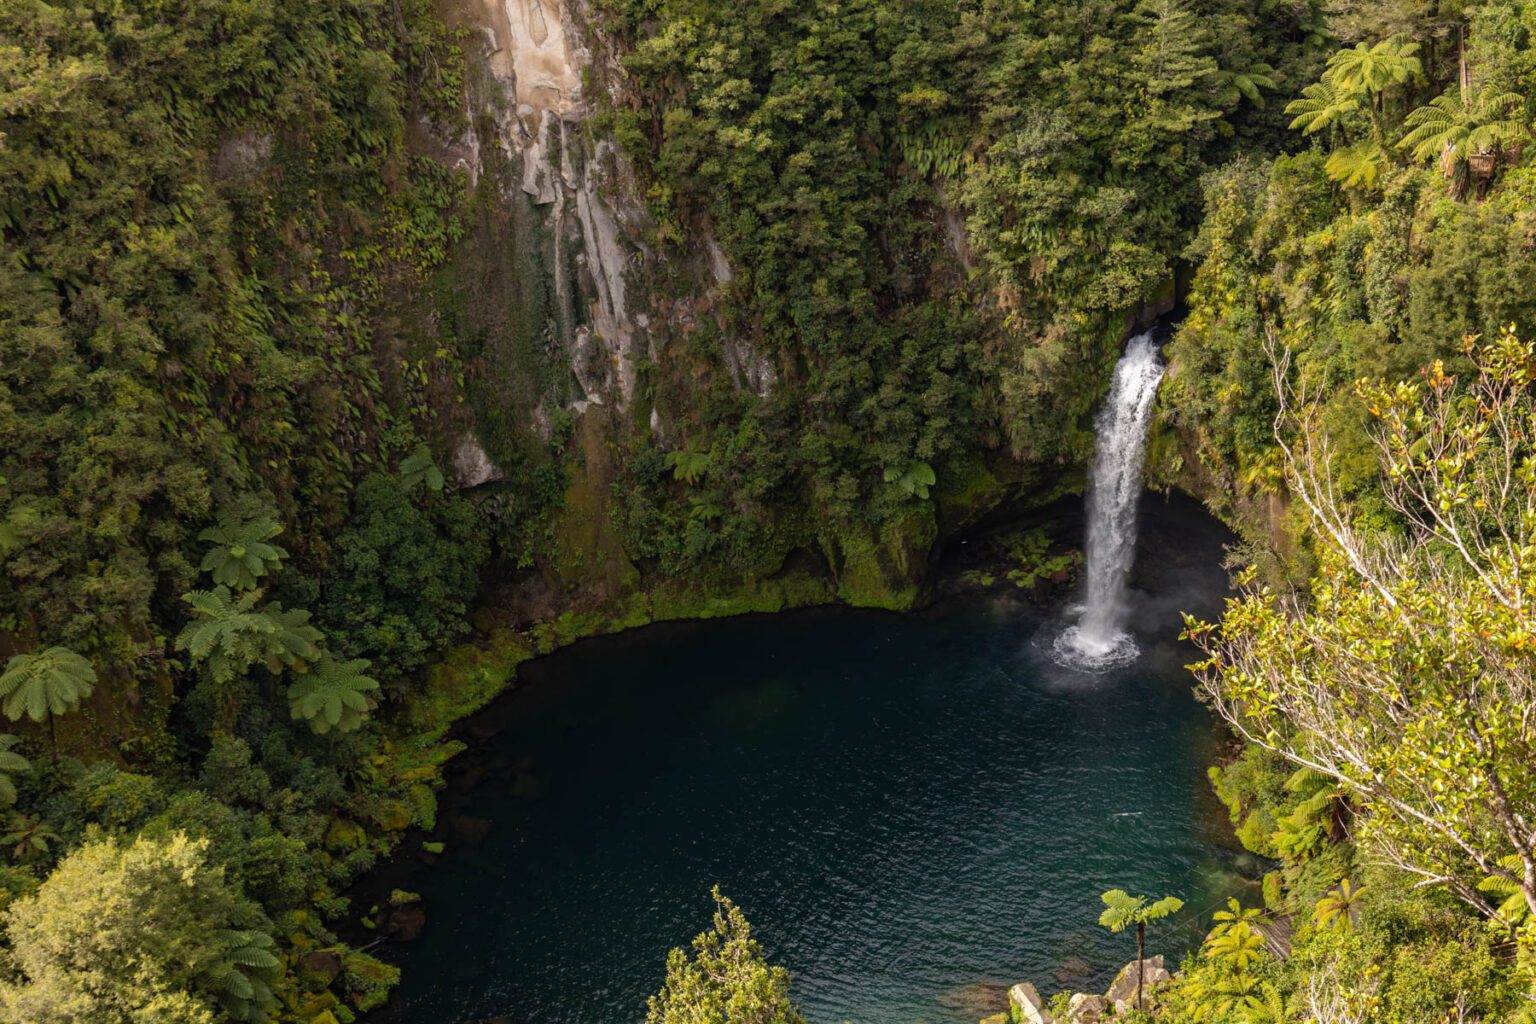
<point>229,634</point>
<point>11,763</point>
<point>1321,106</point>
<point>1481,128</point>
<point>1374,68</point>
<point>688,466</point>
<point>335,695</point>
<point>1359,166</point>
<point>420,468</point>
<point>1339,907</point>
<point>45,683</point>
<point>1239,947</point>
<point>240,555</point>
<point>914,481</point>
<point>243,969</point>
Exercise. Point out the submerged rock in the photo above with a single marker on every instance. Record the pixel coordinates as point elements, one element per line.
<point>469,829</point>
<point>1122,991</point>
<point>404,924</point>
<point>1027,1001</point>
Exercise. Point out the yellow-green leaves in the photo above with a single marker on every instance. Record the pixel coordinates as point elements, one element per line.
<point>1405,676</point>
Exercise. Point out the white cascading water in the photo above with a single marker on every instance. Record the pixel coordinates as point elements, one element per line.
<point>1099,640</point>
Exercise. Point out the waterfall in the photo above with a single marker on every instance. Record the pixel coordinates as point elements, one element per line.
<point>1099,640</point>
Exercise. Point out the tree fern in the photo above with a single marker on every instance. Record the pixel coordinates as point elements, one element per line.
<point>1456,130</point>
<point>335,695</point>
<point>229,634</point>
<point>240,555</point>
<point>914,481</point>
<point>45,683</point>
<point>11,763</point>
<point>1359,166</point>
<point>1250,84</point>
<point>1513,911</point>
<point>1235,914</point>
<point>1374,68</point>
<point>1339,907</point>
<point>1239,947</point>
<point>420,468</point>
<point>1321,106</point>
<point>242,968</point>
<point>688,466</point>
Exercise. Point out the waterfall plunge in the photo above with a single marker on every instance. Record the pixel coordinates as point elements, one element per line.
<point>1099,640</point>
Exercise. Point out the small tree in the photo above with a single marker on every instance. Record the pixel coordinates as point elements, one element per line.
<point>147,931</point>
<point>726,981</point>
<point>1121,910</point>
<point>45,684</point>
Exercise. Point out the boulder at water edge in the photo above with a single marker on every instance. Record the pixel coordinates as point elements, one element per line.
<point>1027,1001</point>
<point>1085,1008</point>
<point>1122,991</point>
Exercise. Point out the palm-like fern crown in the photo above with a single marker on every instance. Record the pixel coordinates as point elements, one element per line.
<point>1485,122</point>
<point>11,763</point>
<point>1250,83</point>
<point>240,971</point>
<point>335,695</point>
<point>1321,106</point>
<point>50,682</point>
<point>1240,946</point>
<point>1514,911</point>
<point>1374,68</point>
<point>1358,166</point>
<point>420,468</point>
<point>241,554</point>
<point>1352,78</point>
<point>231,634</point>
<point>1122,909</point>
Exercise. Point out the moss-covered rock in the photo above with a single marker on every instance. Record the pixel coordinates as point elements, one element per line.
<point>884,566</point>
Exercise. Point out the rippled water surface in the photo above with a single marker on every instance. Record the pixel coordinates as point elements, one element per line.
<point>914,811</point>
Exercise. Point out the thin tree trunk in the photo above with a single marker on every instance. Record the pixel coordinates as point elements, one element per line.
<point>53,737</point>
<point>1141,958</point>
<point>1463,70</point>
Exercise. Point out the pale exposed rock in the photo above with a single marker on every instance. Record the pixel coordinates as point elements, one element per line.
<point>750,371</point>
<point>243,157</point>
<point>1027,1001</point>
<point>538,172</point>
<point>1084,1008</point>
<point>472,467</point>
<point>534,49</point>
<point>591,222</point>
<point>718,264</point>
<point>1122,991</point>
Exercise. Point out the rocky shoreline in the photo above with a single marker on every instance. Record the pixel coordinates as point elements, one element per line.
<point>1026,1006</point>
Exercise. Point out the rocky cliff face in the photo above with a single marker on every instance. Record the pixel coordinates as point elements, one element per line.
<point>567,307</point>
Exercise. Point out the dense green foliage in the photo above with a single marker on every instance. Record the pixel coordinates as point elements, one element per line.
<point>141,933</point>
<point>1385,702</point>
<point>937,218</point>
<point>209,218</point>
<point>234,357</point>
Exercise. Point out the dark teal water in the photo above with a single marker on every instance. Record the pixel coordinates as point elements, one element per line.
<point>915,811</point>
